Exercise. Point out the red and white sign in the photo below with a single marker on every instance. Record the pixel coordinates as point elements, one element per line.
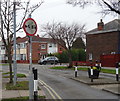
<point>30,27</point>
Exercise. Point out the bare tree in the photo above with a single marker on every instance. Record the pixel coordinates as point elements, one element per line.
<point>108,6</point>
<point>7,24</point>
<point>65,35</point>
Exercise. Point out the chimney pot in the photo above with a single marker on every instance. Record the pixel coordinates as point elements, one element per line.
<point>100,25</point>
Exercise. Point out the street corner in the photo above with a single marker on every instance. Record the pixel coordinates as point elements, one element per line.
<point>113,89</point>
<point>99,81</point>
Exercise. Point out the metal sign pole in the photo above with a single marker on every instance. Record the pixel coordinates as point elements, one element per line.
<point>15,64</point>
<point>30,28</point>
<point>31,85</point>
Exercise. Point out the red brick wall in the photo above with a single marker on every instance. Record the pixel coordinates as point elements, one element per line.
<point>43,51</point>
<point>60,49</point>
<point>35,51</point>
<point>97,44</point>
<point>110,60</point>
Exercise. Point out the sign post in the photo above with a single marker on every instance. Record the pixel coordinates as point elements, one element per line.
<point>30,28</point>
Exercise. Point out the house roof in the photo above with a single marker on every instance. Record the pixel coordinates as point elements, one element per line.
<point>113,25</point>
<point>35,39</point>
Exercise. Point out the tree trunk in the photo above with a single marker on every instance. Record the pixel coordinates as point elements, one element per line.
<point>70,58</point>
<point>10,66</point>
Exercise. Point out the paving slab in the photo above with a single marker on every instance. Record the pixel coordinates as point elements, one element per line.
<point>104,84</point>
<point>10,94</point>
<point>114,90</point>
<point>18,93</point>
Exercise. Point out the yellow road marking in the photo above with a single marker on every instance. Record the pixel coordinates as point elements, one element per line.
<point>42,82</point>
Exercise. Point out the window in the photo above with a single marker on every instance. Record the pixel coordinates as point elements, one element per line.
<point>2,48</point>
<point>90,56</point>
<point>60,49</point>
<point>43,46</point>
<point>22,56</point>
<point>55,45</point>
<point>50,45</point>
<point>112,52</point>
<point>22,45</point>
<point>17,46</point>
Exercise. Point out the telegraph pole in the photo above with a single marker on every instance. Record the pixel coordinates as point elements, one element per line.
<point>15,64</point>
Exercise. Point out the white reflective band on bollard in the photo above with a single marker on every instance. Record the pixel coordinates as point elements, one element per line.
<point>35,85</point>
<point>76,68</point>
<point>91,71</point>
<point>117,69</point>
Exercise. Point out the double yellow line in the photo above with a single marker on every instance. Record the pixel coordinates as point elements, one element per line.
<point>53,94</point>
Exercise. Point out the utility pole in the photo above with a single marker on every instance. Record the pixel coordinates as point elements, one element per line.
<point>15,64</point>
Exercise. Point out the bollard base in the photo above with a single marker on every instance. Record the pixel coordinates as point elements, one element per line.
<point>117,77</point>
<point>75,73</point>
<point>35,95</point>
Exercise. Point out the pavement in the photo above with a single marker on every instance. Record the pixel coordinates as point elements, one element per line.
<point>6,94</point>
<point>107,84</point>
<point>104,83</point>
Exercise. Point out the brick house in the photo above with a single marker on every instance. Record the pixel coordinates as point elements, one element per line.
<point>103,40</point>
<point>40,48</point>
<point>3,56</point>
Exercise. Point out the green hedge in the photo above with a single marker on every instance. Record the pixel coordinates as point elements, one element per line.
<point>77,55</point>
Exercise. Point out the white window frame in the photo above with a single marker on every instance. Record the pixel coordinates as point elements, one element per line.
<point>43,46</point>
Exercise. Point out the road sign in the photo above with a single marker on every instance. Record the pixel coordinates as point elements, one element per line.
<point>30,27</point>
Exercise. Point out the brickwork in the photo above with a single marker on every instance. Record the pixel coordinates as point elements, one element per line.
<point>35,51</point>
<point>39,47</point>
<point>103,43</point>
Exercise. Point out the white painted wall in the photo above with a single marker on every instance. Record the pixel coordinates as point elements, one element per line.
<point>52,48</point>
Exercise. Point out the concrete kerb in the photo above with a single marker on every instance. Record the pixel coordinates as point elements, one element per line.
<point>100,82</point>
<point>113,90</point>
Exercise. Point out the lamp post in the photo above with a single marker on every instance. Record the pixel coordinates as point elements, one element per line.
<point>15,64</point>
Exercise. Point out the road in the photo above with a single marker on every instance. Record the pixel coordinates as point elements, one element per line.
<point>58,85</point>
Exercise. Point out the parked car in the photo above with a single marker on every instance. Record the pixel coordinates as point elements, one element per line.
<point>48,60</point>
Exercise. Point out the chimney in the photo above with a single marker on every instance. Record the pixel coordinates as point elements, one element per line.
<point>100,25</point>
<point>38,35</point>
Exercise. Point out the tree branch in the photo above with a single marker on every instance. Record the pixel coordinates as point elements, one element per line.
<point>111,8</point>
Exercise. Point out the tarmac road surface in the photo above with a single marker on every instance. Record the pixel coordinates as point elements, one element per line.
<point>58,85</point>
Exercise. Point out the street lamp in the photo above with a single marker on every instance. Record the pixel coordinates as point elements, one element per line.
<point>15,64</point>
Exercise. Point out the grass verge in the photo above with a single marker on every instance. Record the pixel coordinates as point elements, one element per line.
<point>20,85</point>
<point>8,75</point>
<point>4,64</point>
<point>26,98</point>
<point>110,71</point>
<point>59,67</point>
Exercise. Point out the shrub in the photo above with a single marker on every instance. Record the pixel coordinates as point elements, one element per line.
<point>77,55</point>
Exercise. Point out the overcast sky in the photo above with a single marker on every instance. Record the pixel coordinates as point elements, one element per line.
<point>59,11</point>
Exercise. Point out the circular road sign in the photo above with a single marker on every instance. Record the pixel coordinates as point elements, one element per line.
<point>30,27</point>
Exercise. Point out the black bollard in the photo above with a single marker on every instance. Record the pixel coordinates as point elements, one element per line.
<point>35,85</point>
<point>76,70</point>
<point>117,71</point>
